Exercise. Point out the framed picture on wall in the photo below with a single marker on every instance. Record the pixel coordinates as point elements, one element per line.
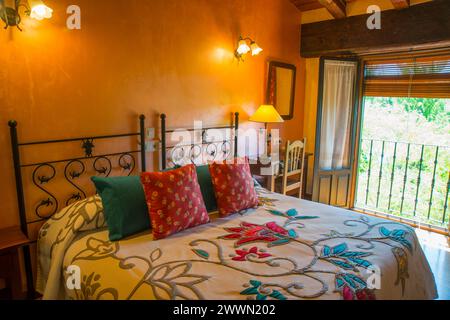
<point>281,88</point>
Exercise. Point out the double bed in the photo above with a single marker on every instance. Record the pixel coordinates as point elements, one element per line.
<point>285,249</point>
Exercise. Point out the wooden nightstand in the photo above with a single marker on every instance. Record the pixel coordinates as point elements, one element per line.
<point>267,180</point>
<point>11,240</point>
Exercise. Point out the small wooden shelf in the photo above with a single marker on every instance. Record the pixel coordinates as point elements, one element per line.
<point>11,238</point>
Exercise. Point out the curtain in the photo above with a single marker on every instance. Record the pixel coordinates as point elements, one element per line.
<point>337,104</point>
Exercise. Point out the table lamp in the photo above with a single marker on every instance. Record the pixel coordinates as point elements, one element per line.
<point>266,114</point>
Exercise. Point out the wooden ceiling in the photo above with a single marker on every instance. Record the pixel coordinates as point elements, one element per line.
<point>337,7</point>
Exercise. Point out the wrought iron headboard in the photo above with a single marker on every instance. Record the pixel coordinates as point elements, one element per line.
<point>126,162</point>
<point>74,168</point>
<point>227,146</point>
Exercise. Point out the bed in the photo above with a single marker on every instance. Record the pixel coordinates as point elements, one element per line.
<point>285,249</point>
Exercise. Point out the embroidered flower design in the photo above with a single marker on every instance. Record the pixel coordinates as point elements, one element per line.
<point>97,249</point>
<point>261,291</point>
<point>353,287</point>
<point>101,249</point>
<point>242,255</point>
<point>340,256</point>
<point>270,232</point>
<point>362,294</point>
<point>402,266</point>
<point>266,202</point>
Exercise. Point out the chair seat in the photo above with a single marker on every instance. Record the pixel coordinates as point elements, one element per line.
<point>292,184</point>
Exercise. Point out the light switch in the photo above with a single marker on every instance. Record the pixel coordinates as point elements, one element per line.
<point>151,133</point>
<point>150,146</point>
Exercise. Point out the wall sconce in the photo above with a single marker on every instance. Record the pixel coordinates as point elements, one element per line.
<point>36,9</point>
<point>245,45</point>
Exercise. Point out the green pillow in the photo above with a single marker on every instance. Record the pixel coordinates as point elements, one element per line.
<point>124,205</point>
<point>206,187</point>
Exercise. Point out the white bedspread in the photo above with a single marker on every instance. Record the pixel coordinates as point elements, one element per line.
<point>286,249</point>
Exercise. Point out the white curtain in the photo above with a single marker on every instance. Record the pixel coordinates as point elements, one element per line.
<point>337,104</point>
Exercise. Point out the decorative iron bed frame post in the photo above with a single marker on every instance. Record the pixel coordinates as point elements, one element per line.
<point>163,142</point>
<point>234,126</point>
<point>21,204</point>
<point>142,134</point>
<point>236,129</point>
<point>15,145</point>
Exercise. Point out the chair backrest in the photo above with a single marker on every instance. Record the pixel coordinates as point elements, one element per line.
<point>294,157</point>
<point>294,162</point>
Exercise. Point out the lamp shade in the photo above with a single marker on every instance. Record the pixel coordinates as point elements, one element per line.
<point>39,11</point>
<point>266,114</point>
<point>255,49</point>
<point>243,47</point>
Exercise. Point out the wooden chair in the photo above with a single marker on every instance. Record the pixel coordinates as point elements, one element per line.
<point>294,162</point>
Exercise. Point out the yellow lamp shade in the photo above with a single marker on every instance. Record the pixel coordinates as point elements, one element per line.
<point>266,114</point>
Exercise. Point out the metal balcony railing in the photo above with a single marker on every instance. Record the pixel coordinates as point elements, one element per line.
<point>406,180</point>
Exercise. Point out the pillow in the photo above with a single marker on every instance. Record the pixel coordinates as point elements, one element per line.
<point>124,204</point>
<point>233,186</point>
<point>174,200</point>
<point>207,188</point>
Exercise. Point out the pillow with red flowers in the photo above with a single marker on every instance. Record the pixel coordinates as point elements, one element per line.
<point>233,186</point>
<point>174,201</point>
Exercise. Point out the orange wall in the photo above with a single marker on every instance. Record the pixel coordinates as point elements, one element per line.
<point>136,56</point>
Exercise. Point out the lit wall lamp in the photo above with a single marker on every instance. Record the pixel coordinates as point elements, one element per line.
<point>245,45</point>
<point>36,9</point>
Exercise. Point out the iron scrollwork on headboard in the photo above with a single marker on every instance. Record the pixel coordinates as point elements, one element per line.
<point>71,175</point>
<point>210,148</point>
<point>39,181</point>
<point>101,169</point>
<point>127,162</point>
<point>44,174</point>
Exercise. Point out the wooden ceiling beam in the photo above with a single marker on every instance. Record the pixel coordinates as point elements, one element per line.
<point>337,8</point>
<point>419,25</point>
<point>307,5</point>
<point>400,4</point>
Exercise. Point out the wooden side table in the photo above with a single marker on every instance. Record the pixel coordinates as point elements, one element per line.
<point>269,180</point>
<point>11,240</point>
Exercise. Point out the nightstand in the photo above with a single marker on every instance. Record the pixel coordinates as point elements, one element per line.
<point>11,240</point>
<point>256,167</point>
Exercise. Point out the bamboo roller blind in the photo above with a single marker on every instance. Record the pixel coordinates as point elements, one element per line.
<point>425,77</point>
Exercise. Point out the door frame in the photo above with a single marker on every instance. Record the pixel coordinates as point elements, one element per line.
<point>354,127</point>
<point>358,133</point>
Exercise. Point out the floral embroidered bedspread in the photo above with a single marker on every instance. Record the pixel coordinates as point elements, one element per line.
<point>286,249</point>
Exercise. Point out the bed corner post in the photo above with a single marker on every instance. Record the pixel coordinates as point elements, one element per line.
<point>236,128</point>
<point>163,141</point>
<point>18,175</point>
<point>142,134</point>
<point>21,205</point>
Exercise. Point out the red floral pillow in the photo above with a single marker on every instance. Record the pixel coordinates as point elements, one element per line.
<point>233,186</point>
<point>174,200</point>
